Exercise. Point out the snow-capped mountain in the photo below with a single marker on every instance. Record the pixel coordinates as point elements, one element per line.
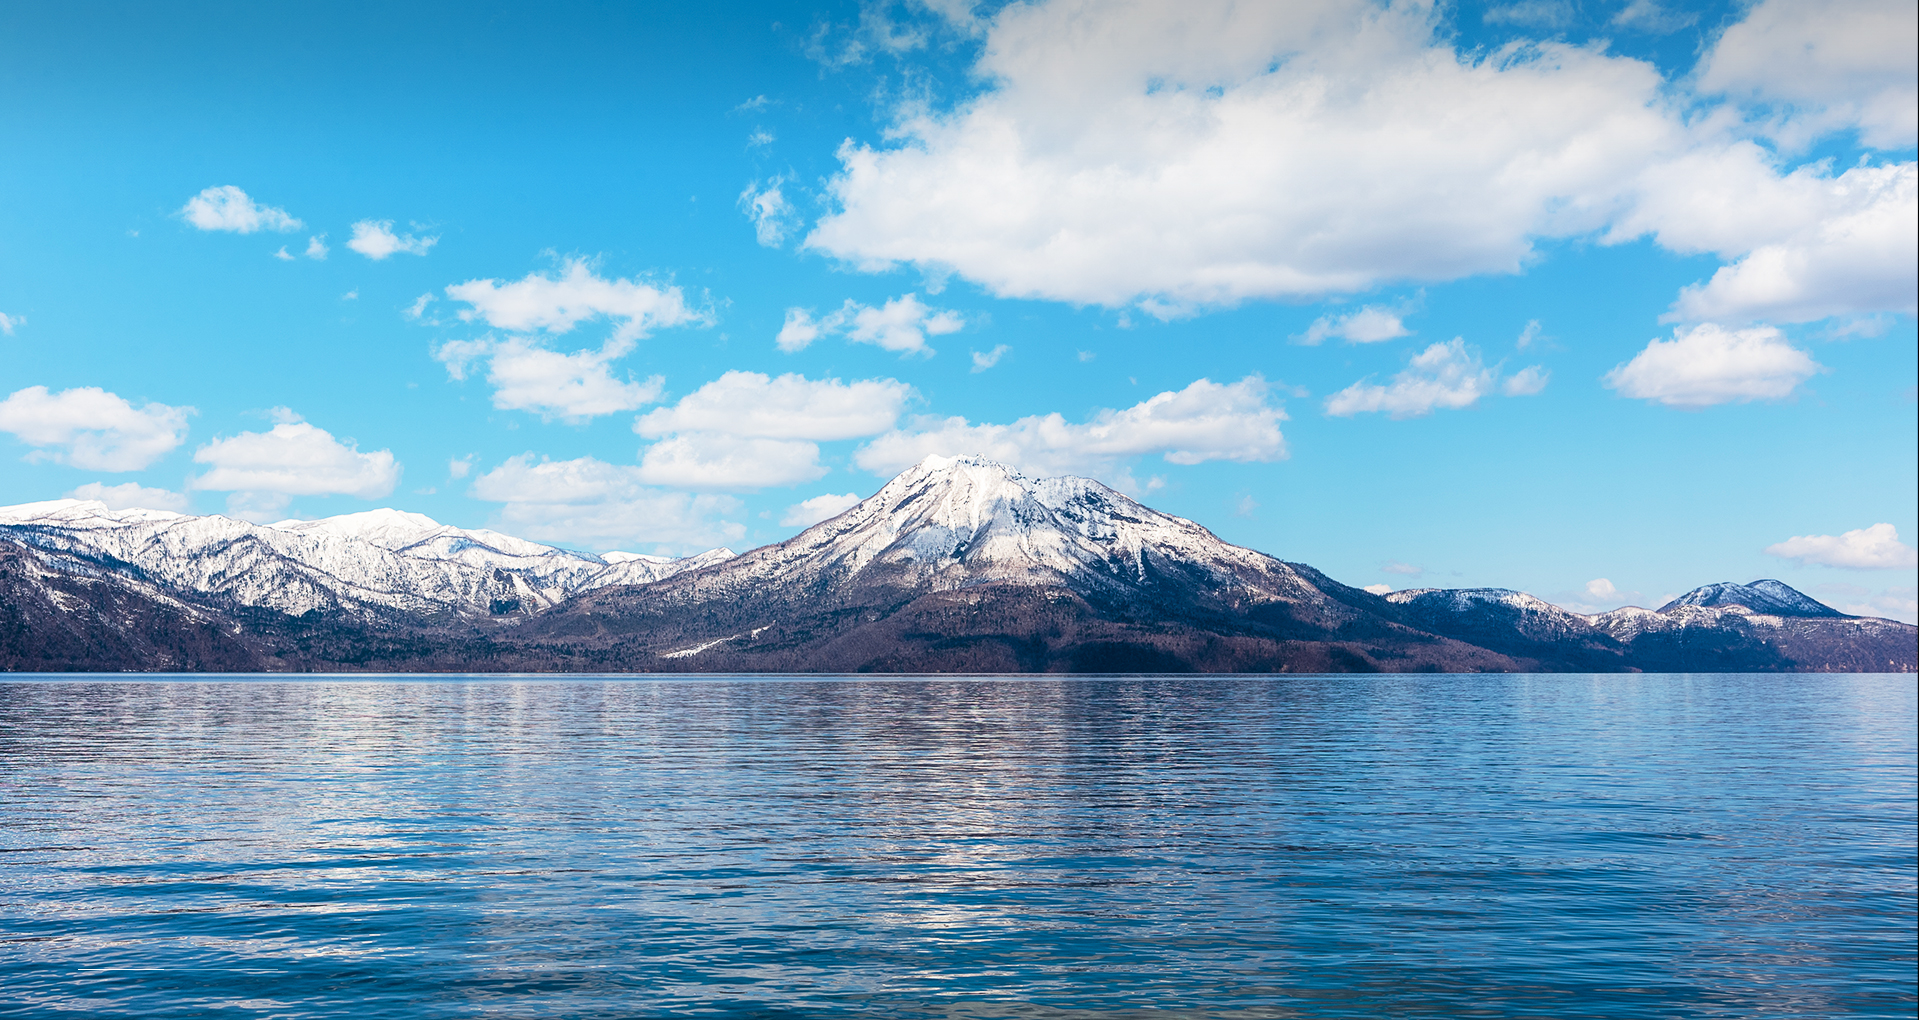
<point>959,522</point>
<point>376,560</point>
<point>1768,597</point>
<point>957,564</point>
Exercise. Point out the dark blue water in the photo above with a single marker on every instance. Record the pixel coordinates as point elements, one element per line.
<point>1505,846</point>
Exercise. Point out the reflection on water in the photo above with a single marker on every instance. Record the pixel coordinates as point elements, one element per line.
<point>1551,846</point>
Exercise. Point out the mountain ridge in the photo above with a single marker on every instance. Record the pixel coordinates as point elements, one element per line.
<point>956,564</point>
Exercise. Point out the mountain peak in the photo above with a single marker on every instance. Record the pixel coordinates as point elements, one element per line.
<point>1773,598</point>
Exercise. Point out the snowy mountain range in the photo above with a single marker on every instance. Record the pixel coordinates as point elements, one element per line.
<point>377,560</point>
<point>956,564</point>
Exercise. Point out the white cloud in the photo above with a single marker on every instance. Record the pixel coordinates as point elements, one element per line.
<point>376,240</point>
<point>1181,156</point>
<point>798,331</point>
<point>1897,603</point>
<point>1205,421</point>
<point>295,459</point>
<point>122,497</point>
<point>788,407</point>
<point>808,512</point>
<point>1531,13</point>
<point>746,430</point>
<point>706,460</point>
<point>1368,325</point>
<point>1255,150</point>
<point>228,208</point>
<point>984,361</point>
<point>316,247</point>
<point>772,215</point>
<point>556,304</point>
<point>9,323</point>
<point>1449,375</point>
<point>282,254</point>
<point>1708,365</point>
<point>1406,569</point>
<point>901,324</point>
<point>574,387</point>
<point>417,309</point>
<point>1650,16</point>
<point>1602,589</point>
<point>603,505</point>
<point>88,427</point>
<point>1528,335</point>
<point>1379,589</point>
<point>1525,382</point>
<point>570,387</point>
<point>1874,548</point>
<point>460,467</point>
<point>1859,256</point>
<point>1825,64</point>
<point>259,507</point>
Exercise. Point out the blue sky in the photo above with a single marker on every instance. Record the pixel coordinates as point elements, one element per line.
<point>1602,301</point>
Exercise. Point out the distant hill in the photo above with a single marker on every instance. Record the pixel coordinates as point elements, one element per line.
<point>957,565</point>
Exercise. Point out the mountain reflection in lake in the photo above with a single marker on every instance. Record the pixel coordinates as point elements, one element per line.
<point>1616,846</point>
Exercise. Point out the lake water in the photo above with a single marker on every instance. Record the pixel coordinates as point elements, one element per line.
<point>1435,846</point>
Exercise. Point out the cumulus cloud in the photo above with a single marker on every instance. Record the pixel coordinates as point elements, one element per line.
<point>1708,365</point>
<point>570,387</point>
<point>1366,326</point>
<point>1824,64</point>
<point>376,240</point>
<point>808,512</point>
<point>1602,589</point>
<point>1525,382</point>
<point>901,324</point>
<point>706,460</point>
<point>295,459</point>
<point>228,208</point>
<point>526,375</point>
<point>316,247</point>
<point>1206,421</point>
<point>1201,154</point>
<point>9,323</point>
<point>557,303</point>
<point>788,407</point>
<point>1449,375</point>
<point>746,430</point>
<point>1379,589</point>
<point>603,506</point>
<point>772,215</point>
<point>985,360</point>
<point>1874,548</point>
<point>1859,255</point>
<point>1249,150</point>
<point>131,495</point>
<point>88,427</point>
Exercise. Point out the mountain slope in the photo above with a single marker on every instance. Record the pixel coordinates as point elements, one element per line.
<point>956,565</point>
<point>381,562</point>
<point>1766,625</point>
<point>961,563</point>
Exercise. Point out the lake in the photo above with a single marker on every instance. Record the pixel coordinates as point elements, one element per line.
<point>1090,847</point>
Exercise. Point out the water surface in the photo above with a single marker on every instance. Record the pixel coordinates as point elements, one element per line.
<point>1494,846</point>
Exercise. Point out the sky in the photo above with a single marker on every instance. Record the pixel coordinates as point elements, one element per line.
<point>1599,300</point>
